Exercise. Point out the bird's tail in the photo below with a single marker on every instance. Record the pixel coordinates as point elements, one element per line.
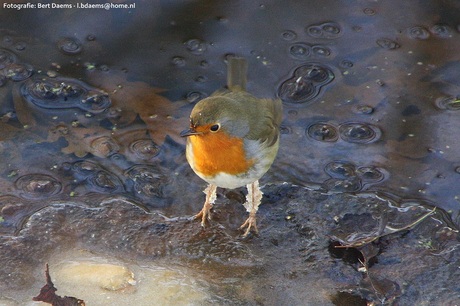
<point>237,68</point>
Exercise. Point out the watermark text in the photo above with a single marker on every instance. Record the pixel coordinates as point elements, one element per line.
<point>79,5</point>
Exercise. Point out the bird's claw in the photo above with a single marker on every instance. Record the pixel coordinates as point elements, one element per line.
<point>251,225</point>
<point>204,215</point>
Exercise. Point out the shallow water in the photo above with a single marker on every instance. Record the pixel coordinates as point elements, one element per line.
<point>93,101</point>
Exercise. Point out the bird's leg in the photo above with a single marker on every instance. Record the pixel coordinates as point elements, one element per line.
<point>205,213</point>
<point>253,200</point>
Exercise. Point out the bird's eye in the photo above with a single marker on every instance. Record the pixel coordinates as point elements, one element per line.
<point>214,128</point>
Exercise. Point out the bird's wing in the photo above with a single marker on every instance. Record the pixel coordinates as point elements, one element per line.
<point>266,128</point>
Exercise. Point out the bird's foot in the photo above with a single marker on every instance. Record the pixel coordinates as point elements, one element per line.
<point>204,214</point>
<point>250,225</point>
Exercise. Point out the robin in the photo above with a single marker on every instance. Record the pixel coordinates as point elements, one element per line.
<point>232,141</point>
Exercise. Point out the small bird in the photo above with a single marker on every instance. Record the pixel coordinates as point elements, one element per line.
<point>233,140</point>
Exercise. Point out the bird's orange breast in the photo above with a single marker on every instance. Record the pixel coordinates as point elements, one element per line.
<point>218,152</point>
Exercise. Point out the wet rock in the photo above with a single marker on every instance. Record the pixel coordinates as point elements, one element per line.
<point>296,220</point>
<point>102,275</point>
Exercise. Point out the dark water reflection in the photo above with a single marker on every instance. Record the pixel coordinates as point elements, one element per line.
<point>92,102</point>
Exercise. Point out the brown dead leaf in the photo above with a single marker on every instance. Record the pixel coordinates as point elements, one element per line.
<point>130,99</point>
<point>8,131</point>
<point>380,289</point>
<point>48,294</point>
<point>136,143</point>
<point>81,140</point>
<point>23,111</point>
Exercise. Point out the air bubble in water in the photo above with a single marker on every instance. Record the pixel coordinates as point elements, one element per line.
<point>148,181</point>
<point>315,72</point>
<point>299,51</point>
<point>38,185</point>
<point>20,46</point>
<point>62,93</point>
<point>387,44</point>
<point>297,91</point>
<point>95,177</point>
<point>364,109</point>
<point>18,71</point>
<point>69,45</point>
<point>321,50</point>
<point>315,31</point>
<point>194,96</point>
<point>7,40</point>
<point>104,146</point>
<point>178,61</point>
<point>145,149</point>
<point>91,37</point>
<point>83,167</point>
<point>346,64</point>
<point>340,169</point>
<point>195,46</point>
<point>418,32</point>
<point>95,102</point>
<point>284,129</point>
<point>371,174</point>
<point>6,58</point>
<point>323,132</point>
<point>441,30</point>
<point>201,79</point>
<point>306,83</point>
<point>105,182</point>
<point>359,132</point>
<point>329,30</point>
<point>104,68</point>
<point>448,103</point>
<point>368,11</point>
<point>204,64</point>
<point>288,35</point>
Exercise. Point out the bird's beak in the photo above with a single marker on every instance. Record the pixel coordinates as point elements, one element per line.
<point>191,131</point>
